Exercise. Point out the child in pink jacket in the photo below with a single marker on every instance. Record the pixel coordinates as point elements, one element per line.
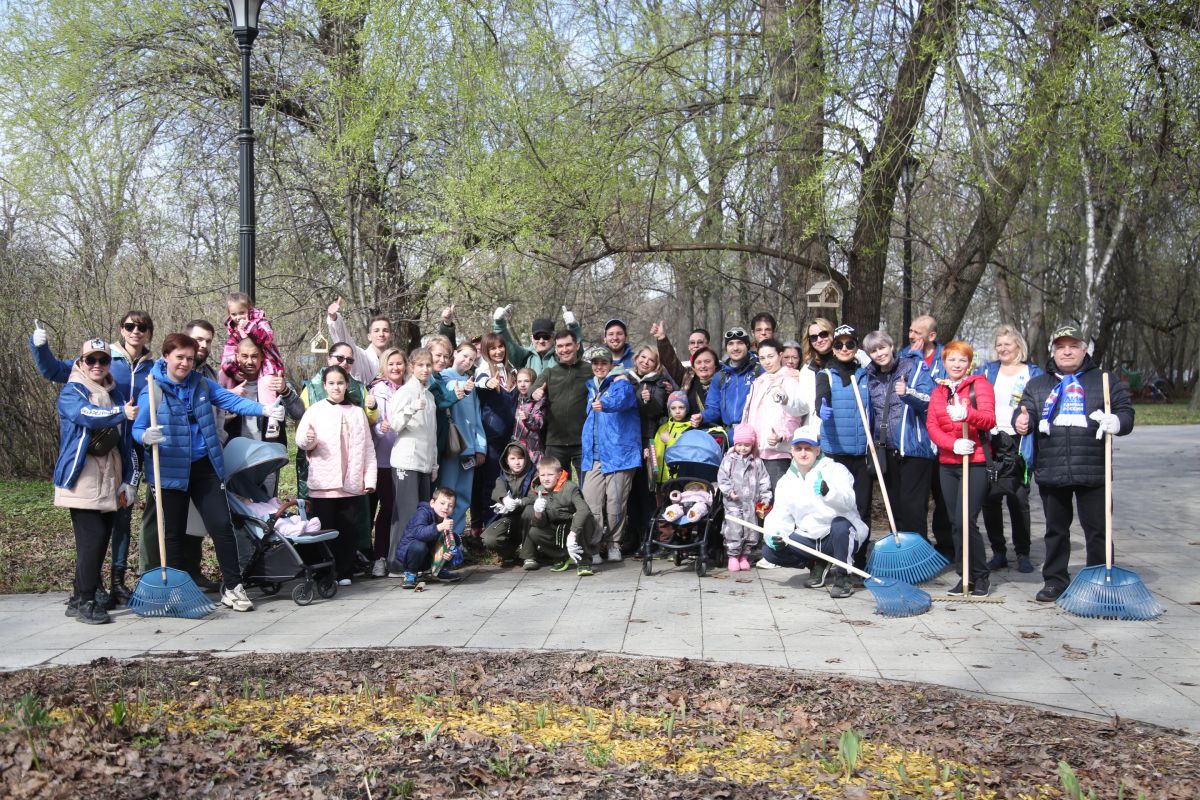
<point>247,322</point>
<point>341,466</point>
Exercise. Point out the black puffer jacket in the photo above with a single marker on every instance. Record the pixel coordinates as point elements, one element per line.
<point>1073,456</point>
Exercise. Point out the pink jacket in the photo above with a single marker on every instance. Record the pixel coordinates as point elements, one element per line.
<point>258,329</point>
<point>776,404</point>
<point>341,463</point>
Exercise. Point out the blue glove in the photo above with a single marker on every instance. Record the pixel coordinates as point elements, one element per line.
<point>826,412</point>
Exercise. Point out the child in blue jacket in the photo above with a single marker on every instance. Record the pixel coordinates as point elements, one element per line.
<point>428,539</point>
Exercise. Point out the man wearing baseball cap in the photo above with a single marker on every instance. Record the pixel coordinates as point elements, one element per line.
<point>815,506</point>
<point>616,339</point>
<point>541,356</point>
<point>612,449</point>
<point>1065,411</point>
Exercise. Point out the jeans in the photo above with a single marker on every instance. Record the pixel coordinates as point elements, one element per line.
<point>418,557</point>
<point>92,530</point>
<point>207,491</point>
<point>836,544</point>
<point>452,476</point>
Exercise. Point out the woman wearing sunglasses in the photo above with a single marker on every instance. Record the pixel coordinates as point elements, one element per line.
<point>131,363</point>
<point>843,437</point>
<point>93,473</point>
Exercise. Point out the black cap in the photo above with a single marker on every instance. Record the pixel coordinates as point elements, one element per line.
<point>543,325</point>
<point>843,330</point>
<point>615,321</point>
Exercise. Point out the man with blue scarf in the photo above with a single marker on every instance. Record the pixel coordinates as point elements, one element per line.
<point>1065,410</point>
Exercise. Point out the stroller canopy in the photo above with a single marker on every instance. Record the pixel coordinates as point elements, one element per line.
<point>695,447</point>
<point>248,464</point>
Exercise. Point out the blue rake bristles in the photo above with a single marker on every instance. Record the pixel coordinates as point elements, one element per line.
<point>166,592</point>
<point>1102,593</point>
<point>896,598</point>
<point>907,557</point>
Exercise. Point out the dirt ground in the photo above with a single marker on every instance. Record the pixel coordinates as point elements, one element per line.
<point>440,723</point>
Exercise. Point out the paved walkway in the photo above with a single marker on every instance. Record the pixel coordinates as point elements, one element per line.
<point>1020,649</point>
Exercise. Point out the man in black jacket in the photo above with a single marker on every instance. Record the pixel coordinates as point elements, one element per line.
<point>1065,408</point>
<point>564,385</point>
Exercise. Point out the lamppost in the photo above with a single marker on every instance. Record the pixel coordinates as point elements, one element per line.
<point>908,178</point>
<point>244,16</point>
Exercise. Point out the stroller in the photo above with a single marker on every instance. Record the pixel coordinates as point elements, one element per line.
<point>693,461</point>
<point>268,558</point>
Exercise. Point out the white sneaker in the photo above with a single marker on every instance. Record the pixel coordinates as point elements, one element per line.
<point>597,560</point>
<point>764,564</point>
<point>614,553</point>
<point>379,568</point>
<point>574,549</point>
<point>344,582</point>
<point>395,574</point>
<point>237,599</point>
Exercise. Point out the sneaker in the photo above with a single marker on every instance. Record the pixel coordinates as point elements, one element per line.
<point>1049,594</point>
<point>841,587</point>
<point>379,568</point>
<point>104,599</point>
<point>410,581</point>
<point>981,587</point>
<point>446,576</point>
<point>563,566</point>
<point>584,571</point>
<point>90,613</point>
<point>1024,564</point>
<point>530,564</point>
<point>597,560</point>
<point>574,548</point>
<point>344,582</point>
<point>205,585</point>
<point>73,607</point>
<point>614,553</point>
<point>764,564</point>
<point>744,563</point>
<point>817,574</point>
<point>397,574</point>
<point>734,565</point>
<point>237,599</point>
<point>957,589</point>
<point>999,561</point>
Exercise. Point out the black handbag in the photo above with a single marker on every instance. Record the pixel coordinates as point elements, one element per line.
<point>1005,465</point>
<point>103,441</point>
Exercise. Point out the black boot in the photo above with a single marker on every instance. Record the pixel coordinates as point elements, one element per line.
<point>120,594</point>
<point>104,599</point>
<point>92,614</point>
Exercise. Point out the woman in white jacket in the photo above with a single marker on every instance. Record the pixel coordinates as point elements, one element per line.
<point>776,406</point>
<point>412,419</point>
<point>815,506</point>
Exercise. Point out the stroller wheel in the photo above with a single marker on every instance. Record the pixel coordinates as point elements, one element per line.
<point>302,594</point>
<point>701,564</point>
<point>269,589</point>
<point>327,587</point>
<point>678,557</point>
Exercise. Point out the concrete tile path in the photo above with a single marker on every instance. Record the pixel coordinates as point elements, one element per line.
<point>1018,650</point>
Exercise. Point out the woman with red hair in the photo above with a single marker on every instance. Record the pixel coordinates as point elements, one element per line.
<point>962,410</point>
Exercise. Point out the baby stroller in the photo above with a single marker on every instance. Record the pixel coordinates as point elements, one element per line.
<point>684,524</point>
<point>268,558</point>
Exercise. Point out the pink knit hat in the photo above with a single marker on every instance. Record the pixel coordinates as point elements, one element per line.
<point>744,434</point>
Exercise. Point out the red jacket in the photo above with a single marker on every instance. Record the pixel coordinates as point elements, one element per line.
<point>980,418</point>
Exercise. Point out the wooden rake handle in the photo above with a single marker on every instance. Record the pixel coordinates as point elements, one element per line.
<point>862,413</point>
<point>162,525</point>
<point>803,547</point>
<point>1108,487</point>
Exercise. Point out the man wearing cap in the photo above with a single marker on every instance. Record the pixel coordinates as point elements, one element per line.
<point>1064,409</point>
<point>726,400</point>
<point>815,506</point>
<point>616,339</point>
<point>564,385</point>
<point>612,449</point>
<point>541,357</point>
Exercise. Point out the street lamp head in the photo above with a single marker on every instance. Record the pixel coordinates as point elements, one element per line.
<point>244,13</point>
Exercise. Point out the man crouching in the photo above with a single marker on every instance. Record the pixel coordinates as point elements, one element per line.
<point>815,506</point>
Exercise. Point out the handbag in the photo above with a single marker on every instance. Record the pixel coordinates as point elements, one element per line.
<point>456,443</point>
<point>102,441</point>
<point>1005,465</point>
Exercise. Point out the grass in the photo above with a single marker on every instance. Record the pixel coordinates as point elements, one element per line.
<point>1175,413</point>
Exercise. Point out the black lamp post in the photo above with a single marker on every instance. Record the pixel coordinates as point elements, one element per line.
<point>244,16</point>
<point>908,178</point>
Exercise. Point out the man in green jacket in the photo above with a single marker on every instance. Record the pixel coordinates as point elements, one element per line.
<point>542,356</point>
<point>564,385</point>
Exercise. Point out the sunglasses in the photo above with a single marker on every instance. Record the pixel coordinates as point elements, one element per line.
<point>93,361</point>
<point>735,333</point>
<point>344,359</point>
<point>846,344</point>
<point>816,337</point>
<point>541,337</point>
<point>140,327</point>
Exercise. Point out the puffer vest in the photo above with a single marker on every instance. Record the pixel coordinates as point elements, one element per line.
<point>843,433</point>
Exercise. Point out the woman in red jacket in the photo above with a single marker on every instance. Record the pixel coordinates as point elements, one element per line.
<point>962,410</point>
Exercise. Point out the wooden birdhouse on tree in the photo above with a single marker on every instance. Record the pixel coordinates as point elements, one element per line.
<point>825,300</point>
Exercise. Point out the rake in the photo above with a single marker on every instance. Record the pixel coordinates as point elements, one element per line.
<point>907,557</point>
<point>1104,591</point>
<point>163,591</point>
<point>893,598</point>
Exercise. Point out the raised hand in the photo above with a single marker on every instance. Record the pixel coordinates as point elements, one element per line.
<point>697,419</point>
<point>901,386</point>
<point>567,316</point>
<point>39,334</point>
<point>646,393</point>
<point>1021,423</point>
<point>448,315</point>
<point>131,410</point>
<point>334,308</point>
<point>275,384</point>
<point>658,331</point>
<point>539,392</point>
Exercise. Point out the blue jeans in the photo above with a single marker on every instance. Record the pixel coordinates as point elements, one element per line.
<point>418,557</point>
<point>836,544</point>
<point>452,476</point>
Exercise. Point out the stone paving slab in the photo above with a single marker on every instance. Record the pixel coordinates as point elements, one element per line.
<point>1018,650</point>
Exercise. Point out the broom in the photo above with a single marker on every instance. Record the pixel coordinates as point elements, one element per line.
<point>165,592</point>
<point>1105,591</point>
<point>893,598</point>
<point>905,556</point>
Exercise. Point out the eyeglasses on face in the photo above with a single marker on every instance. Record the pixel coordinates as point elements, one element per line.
<point>140,327</point>
<point>845,344</point>
<point>99,360</point>
<point>541,337</point>
<point>816,337</point>
<point>344,359</point>
<point>735,333</point>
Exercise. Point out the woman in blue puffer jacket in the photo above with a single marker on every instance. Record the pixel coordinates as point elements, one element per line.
<point>189,453</point>
<point>899,389</point>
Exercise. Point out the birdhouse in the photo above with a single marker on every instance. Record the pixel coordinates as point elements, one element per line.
<point>825,296</point>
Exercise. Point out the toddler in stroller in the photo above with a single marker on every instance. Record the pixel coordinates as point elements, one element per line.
<point>274,549</point>
<point>689,511</point>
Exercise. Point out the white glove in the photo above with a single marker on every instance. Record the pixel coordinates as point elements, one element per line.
<point>498,508</point>
<point>1109,423</point>
<point>39,336</point>
<point>152,436</point>
<point>964,447</point>
<point>539,505</point>
<point>501,313</point>
<point>568,317</point>
<point>574,548</point>
<point>510,504</point>
<point>957,411</point>
<point>126,495</point>
<point>274,412</point>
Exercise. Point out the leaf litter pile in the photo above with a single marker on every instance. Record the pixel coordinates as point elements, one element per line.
<point>445,723</point>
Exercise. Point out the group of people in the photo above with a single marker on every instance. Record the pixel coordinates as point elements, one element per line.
<point>551,454</point>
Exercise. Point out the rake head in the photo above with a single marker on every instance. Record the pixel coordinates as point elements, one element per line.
<point>1101,593</point>
<point>907,557</point>
<point>176,595</point>
<point>895,598</point>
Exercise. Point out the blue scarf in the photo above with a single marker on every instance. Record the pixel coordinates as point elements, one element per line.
<point>1067,399</point>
